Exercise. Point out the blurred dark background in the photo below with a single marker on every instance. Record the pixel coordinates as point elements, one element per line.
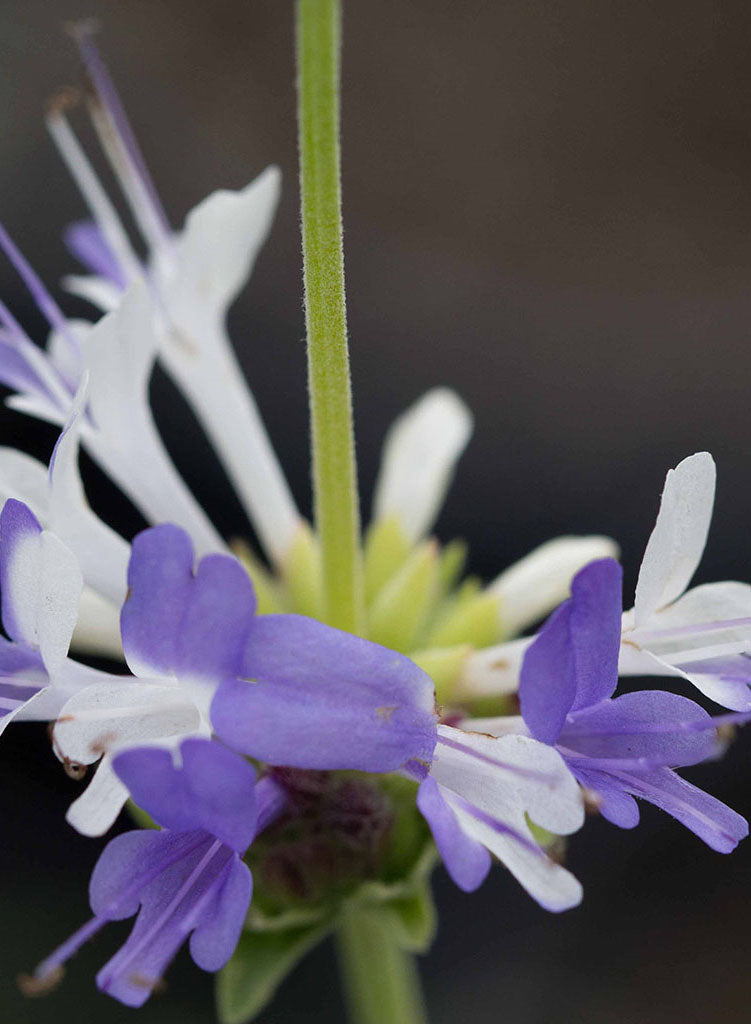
<point>546,207</point>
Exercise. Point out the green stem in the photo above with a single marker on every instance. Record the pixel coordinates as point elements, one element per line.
<point>380,980</point>
<point>334,472</point>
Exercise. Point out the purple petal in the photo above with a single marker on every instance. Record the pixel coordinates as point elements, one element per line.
<point>160,574</point>
<point>217,618</point>
<point>711,820</point>
<point>466,860</point>
<point>178,900</point>
<point>213,790</point>
<point>614,804</point>
<point>86,242</point>
<point>18,526</point>
<point>175,622</point>
<point>129,862</point>
<point>726,680</point>
<point>573,662</point>
<point>315,697</point>
<point>214,940</point>
<point>661,727</point>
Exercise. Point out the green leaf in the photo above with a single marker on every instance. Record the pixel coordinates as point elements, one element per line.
<point>412,919</point>
<point>260,963</point>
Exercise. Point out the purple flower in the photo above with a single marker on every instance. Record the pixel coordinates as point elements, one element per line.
<point>624,747</point>
<point>187,880</point>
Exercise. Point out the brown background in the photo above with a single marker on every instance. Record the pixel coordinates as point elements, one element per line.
<point>546,206</point>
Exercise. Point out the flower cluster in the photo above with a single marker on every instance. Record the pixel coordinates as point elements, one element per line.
<point>248,735</point>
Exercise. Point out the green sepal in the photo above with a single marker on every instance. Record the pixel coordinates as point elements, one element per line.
<point>258,966</point>
<point>142,818</point>
<point>469,617</point>
<point>387,548</point>
<point>412,919</point>
<point>269,596</point>
<point>302,574</point>
<point>403,605</point>
<point>443,665</point>
<point>453,560</point>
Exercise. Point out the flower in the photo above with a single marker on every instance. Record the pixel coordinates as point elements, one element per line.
<point>623,747</point>
<point>702,635</point>
<point>187,879</point>
<point>479,795</point>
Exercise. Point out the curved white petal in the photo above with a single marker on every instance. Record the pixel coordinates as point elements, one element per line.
<point>24,478</point>
<point>507,776</point>
<point>217,248</point>
<point>532,587</point>
<point>97,290</point>
<point>119,354</point>
<point>95,811</point>
<point>97,630</point>
<point>677,541</point>
<point>114,716</point>
<point>214,256</point>
<point>492,671</point>
<point>551,885</point>
<point>419,456</point>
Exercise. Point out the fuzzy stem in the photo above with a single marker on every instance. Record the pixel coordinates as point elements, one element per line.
<point>334,471</point>
<point>380,979</point>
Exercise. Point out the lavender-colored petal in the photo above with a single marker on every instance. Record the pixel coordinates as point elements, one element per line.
<point>177,622</point>
<point>17,373</point>
<point>19,533</point>
<point>547,683</point>
<point>174,903</point>
<point>87,243</point>
<point>596,596</point>
<point>466,860</point>
<point>160,575</point>
<point>712,821</point>
<point>613,803</point>
<point>216,621</point>
<point>661,727</point>
<point>129,862</point>
<point>214,789</point>
<point>726,680</point>
<point>315,697</point>
<point>573,662</point>
<point>214,940</point>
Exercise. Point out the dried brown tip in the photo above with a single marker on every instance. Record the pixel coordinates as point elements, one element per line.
<point>64,100</point>
<point>152,984</point>
<point>36,987</point>
<point>82,28</point>
<point>74,770</point>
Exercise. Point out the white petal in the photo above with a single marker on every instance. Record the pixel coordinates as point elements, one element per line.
<point>114,716</point>
<point>97,630</point>
<point>97,290</point>
<point>102,553</point>
<point>119,354</point>
<point>508,775</point>
<point>677,541</point>
<point>26,479</point>
<point>492,671</point>
<point>215,255</point>
<point>94,812</point>
<point>551,885</point>
<point>532,587</point>
<point>218,247</point>
<point>419,456</point>
<point>60,591</point>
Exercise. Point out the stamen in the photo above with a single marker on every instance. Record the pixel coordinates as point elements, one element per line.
<point>37,290</point>
<point>146,938</point>
<point>527,773</point>
<point>93,193</point>
<point>119,143</point>
<point>699,627</point>
<point>48,375</point>
<point>706,653</point>
<point>53,964</point>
